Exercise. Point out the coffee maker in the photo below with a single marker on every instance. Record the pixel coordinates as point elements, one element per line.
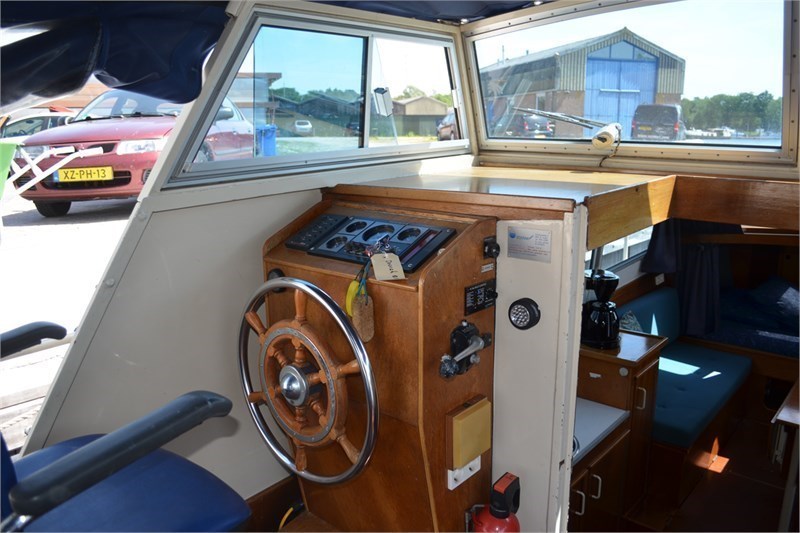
<point>600,323</point>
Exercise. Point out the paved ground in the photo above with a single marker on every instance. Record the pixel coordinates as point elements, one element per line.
<point>49,268</point>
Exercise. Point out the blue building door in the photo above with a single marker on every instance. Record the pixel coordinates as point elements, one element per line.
<point>619,78</point>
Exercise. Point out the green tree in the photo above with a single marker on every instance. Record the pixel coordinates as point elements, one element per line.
<point>411,92</point>
<point>445,98</point>
<point>289,93</point>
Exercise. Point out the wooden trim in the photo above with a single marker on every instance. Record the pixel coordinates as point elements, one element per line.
<point>774,204</point>
<point>468,199</point>
<point>268,506</point>
<point>621,212</point>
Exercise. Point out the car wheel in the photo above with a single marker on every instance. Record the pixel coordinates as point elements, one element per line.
<point>53,209</point>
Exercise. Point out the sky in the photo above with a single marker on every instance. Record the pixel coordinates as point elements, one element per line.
<point>320,61</point>
<point>730,46</point>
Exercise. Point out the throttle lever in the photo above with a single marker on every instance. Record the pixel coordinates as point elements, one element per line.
<point>466,341</point>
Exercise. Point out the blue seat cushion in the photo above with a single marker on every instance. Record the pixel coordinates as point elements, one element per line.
<point>657,312</point>
<point>160,492</point>
<point>694,383</point>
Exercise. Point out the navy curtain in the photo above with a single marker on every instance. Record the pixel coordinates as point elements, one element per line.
<point>696,267</point>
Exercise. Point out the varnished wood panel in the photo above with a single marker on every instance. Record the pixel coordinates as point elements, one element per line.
<point>305,522</point>
<point>442,302</point>
<point>764,203</point>
<point>618,213</point>
<point>268,506</point>
<point>463,208</point>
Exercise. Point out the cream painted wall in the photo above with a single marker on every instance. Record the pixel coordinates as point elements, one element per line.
<point>179,299</point>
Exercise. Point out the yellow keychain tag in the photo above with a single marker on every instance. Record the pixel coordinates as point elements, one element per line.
<point>387,267</point>
<point>352,290</point>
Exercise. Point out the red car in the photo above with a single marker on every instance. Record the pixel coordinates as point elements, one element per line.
<point>131,129</point>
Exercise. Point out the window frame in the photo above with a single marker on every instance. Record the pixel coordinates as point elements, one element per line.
<point>202,174</point>
<point>670,157</point>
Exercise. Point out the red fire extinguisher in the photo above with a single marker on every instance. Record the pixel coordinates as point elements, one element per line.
<point>499,515</point>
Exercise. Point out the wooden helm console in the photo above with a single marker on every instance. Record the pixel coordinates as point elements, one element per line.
<point>404,486</point>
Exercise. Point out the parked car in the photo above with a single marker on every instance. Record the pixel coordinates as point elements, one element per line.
<point>536,127</point>
<point>447,130</point>
<point>131,129</point>
<point>18,128</point>
<point>658,122</point>
<point>523,125</point>
<point>302,127</point>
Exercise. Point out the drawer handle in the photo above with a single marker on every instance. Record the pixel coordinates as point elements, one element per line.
<point>599,487</point>
<point>583,503</point>
<point>644,399</point>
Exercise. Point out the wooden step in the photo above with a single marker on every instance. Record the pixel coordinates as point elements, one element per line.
<point>308,522</point>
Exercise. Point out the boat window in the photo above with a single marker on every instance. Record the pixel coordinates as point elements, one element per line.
<point>622,250</point>
<point>306,96</point>
<point>682,74</point>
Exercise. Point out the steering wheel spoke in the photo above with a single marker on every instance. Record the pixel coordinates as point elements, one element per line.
<point>254,320</point>
<point>300,304</point>
<point>277,353</point>
<point>300,459</point>
<point>350,450</point>
<point>307,394</point>
<point>348,369</point>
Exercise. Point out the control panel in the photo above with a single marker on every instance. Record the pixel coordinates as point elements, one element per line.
<point>351,238</point>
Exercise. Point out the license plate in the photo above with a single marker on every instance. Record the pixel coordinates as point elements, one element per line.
<point>645,128</point>
<point>84,174</point>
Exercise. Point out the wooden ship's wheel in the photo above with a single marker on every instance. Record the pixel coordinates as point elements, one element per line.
<point>301,384</point>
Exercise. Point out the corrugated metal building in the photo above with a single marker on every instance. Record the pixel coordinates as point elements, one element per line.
<point>603,78</point>
<point>418,115</point>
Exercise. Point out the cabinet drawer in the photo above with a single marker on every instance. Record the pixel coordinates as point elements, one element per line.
<point>604,382</point>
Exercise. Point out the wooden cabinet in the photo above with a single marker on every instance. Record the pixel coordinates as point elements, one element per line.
<point>626,378</point>
<point>596,496</point>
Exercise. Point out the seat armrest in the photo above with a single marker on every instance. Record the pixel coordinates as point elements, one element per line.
<point>86,466</point>
<point>23,337</point>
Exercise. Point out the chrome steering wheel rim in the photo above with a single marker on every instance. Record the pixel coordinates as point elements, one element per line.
<point>360,353</point>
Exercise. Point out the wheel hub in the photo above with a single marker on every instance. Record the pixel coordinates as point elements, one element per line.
<point>294,385</point>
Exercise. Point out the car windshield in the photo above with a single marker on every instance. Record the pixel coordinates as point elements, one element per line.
<point>656,113</point>
<point>115,104</point>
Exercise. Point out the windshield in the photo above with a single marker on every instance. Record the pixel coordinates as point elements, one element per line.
<point>676,61</point>
<point>114,104</point>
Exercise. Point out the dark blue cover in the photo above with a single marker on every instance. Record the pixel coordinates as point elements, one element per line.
<point>154,48</point>
<point>160,492</point>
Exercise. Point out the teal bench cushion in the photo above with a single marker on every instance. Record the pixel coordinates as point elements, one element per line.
<point>694,384</point>
<point>657,312</point>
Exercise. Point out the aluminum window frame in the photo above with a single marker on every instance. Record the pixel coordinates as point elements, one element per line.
<point>668,157</point>
<point>202,174</point>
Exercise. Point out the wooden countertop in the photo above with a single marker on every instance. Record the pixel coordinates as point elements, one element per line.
<point>634,348</point>
<point>618,203</point>
<point>789,413</point>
